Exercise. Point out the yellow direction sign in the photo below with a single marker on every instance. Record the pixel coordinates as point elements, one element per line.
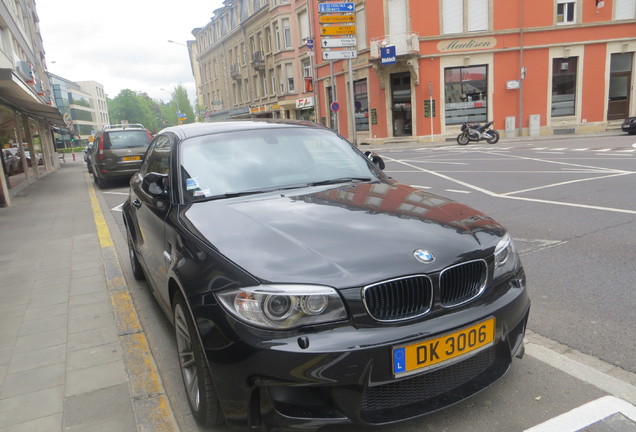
<point>338,30</point>
<point>327,19</point>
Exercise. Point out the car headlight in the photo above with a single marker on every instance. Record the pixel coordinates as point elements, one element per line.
<point>283,306</point>
<point>506,257</point>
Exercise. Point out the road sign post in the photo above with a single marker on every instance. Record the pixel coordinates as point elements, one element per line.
<point>338,19</point>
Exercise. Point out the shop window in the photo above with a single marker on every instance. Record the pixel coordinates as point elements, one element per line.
<point>566,12</point>
<point>361,102</point>
<point>463,16</point>
<point>466,94</point>
<point>563,86</point>
<point>625,9</point>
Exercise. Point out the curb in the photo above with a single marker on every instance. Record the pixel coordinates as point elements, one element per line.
<point>150,403</point>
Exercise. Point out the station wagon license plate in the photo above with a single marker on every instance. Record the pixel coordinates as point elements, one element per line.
<point>424,354</point>
<point>130,158</point>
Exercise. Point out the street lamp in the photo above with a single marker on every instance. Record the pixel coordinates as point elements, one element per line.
<point>178,43</point>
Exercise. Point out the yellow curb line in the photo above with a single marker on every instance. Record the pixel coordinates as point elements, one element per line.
<point>150,404</point>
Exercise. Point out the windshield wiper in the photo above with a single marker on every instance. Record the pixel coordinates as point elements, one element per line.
<point>236,194</point>
<point>340,180</point>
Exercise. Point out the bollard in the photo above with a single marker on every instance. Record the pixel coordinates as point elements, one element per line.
<point>73,157</point>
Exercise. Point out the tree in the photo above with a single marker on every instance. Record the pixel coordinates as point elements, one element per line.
<point>180,104</point>
<point>129,106</point>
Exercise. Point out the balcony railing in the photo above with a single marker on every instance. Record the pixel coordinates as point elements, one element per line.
<point>258,60</point>
<point>406,44</point>
<point>235,71</point>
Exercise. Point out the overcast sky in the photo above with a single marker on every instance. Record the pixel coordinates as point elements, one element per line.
<point>123,44</point>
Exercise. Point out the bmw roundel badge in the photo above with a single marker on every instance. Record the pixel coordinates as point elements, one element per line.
<point>424,256</point>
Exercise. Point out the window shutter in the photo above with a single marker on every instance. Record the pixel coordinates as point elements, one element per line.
<point>453,16</point>
<point>477,15</point>
<point>625,9</point>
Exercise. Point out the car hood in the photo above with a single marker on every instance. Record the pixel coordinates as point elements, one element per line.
<point>343,237</point>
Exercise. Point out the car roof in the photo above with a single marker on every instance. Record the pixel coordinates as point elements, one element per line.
<point>197,129</point>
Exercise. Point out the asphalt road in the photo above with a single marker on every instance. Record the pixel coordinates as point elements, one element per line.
<point>570,206</point>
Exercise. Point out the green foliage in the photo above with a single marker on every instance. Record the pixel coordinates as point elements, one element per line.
<point>136,107</point>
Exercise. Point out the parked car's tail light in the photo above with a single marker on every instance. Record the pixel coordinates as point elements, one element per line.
<point>506,257</point>
<point>100,148</point>
<point>283,306</point>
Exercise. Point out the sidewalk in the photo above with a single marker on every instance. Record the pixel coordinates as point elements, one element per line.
<point>73,356</point>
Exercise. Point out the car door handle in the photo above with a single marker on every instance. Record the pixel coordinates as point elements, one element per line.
<point>136,203</point>
<point>167,256</point>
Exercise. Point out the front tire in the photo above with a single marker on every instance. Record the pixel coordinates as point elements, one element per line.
<point>494,137</point>
<point>197,379</point>
<point>462,138</point>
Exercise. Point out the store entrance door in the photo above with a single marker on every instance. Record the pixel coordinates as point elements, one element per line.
<point>401,104</point>
<point>619,85</point>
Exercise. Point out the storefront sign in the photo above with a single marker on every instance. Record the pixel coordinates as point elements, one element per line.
<point>467,44</point>
<point>387,54</point>
<point>305,102</point>
<point>464,105</point>
<point>260,109</point>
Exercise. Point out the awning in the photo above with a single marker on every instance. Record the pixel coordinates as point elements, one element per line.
<point>22,98</point>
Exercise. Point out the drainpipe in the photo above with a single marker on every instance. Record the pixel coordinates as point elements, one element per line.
<point>522,72</point>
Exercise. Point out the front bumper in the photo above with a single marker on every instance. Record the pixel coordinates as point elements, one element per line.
<point>343,374</point>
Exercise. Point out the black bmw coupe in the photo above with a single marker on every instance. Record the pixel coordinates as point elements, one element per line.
<point>307,288</point>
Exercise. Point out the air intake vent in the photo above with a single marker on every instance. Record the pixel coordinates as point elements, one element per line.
<point>399,299</point>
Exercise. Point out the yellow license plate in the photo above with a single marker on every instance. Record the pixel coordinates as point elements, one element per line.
<point>130,158</point>
<point>421,355</point>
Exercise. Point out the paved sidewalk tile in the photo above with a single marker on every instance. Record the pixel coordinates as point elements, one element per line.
<point>62,367</point>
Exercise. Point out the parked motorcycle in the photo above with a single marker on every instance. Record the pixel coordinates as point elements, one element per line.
<point>477,132</point>
<point>375,158</point>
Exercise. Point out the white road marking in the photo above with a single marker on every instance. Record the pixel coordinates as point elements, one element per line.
<point>586,415</point>
<point>115,193</point>
<point>562,184</point>
<point>540,244</point>
<point>118,208</point>
<point>421,187</point>
<point>458,191</point>
<point>551,152</point>
<point>497,195</point>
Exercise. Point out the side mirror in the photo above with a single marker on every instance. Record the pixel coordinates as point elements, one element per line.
<point>375,158</point>
<point>155,184</point>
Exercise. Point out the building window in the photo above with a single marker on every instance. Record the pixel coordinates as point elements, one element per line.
<point>303,25</point>
<point>563,86</point>
<point>463,16</point>
<point>361,27</point>
<point>264,81</point>
<point>289,72</point>
<point>625,9</point>
<point>361,104</point>
<point>277,36</point>
<point>273,80</point>
<point>466,94</point>
<point>287,33</point>
<point>308,75</point>
<point>566,12</point>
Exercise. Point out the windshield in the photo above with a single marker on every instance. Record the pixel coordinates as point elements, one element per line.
<point>126,139</point>
<point>243,162</point>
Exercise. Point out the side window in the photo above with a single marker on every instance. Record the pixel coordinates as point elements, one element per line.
<point>158,156</point>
